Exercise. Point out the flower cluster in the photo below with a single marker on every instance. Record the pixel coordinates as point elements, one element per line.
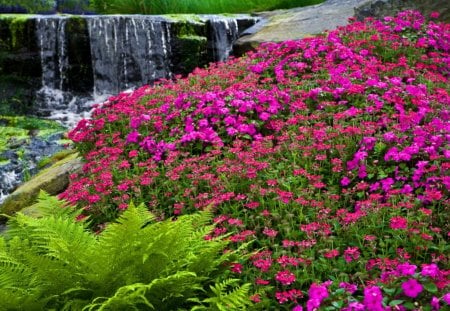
<point>330,153</point>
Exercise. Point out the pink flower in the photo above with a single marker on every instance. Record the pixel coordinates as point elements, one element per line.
<point>412,288</point>
<point>398,223</point>
<point>331,254</point>
<point>406,269</point>
<point>345,181</point>
<point>270,232</point>
<point>285,277</point>
<point>350,288</point>
<point>431,270</point>
<point>297,308</point>
<point>236,268</point>
<point>435,303</point>
<point>446,298</point>
<point>318,292</point>
<point>351,254</point>
<point>373,298</point>
<point>435,14</point>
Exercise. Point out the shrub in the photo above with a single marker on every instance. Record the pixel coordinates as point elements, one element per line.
<point>332,151</point>
<point>55,263</point>
<point>32,6</point>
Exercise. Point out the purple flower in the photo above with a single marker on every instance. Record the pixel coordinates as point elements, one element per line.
<point>435,303</point>
<point>446,298</point>
<point>133,137</point>
<point>350,288</point>
<point>354,306</point>
<point>312,304</point>
<point>297,308</point>
<point>373,298</point>
<point>406,269</point>
<point>319,292</point>
<point>431,270</point>
<point>412,288</point>
<point>345,181</point>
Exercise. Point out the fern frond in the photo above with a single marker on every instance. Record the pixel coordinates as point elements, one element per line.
<point>228,295</point>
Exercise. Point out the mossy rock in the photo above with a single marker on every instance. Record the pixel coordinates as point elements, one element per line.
<point>53,180</point>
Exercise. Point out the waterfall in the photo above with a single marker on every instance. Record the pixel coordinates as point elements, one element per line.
<point>8,181</point>
<point>51,33</point>
<point>121,52</point>
<point>128,51</point>
<point>225,32</point>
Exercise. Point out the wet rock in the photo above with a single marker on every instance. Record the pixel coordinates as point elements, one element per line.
<point>53,180</point>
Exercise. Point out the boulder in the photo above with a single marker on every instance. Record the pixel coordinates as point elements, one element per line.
<point>53,180</point>
<point>293,24</point>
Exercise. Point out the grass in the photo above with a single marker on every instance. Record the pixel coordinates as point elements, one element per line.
<point>195,6</point>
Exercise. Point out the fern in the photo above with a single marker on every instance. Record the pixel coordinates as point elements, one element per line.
<point>136,263</point>
<point>227,295</point>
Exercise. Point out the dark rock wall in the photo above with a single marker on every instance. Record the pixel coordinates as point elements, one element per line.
<point>105,53</point>
<point>20,67</point>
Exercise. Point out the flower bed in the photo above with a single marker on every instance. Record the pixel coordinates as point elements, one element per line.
<point>331,153</point>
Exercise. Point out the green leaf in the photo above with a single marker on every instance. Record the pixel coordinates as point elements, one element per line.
<point>409,305</point>
<point>396,302</point>
<point>389,291</point>
<point>338,304</point>
<point>430,287</point>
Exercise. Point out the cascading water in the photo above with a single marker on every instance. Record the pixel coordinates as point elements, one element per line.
<point>128,51</point>
<point>107,55</point>
<point>225,32</point>
<point>51,37</point>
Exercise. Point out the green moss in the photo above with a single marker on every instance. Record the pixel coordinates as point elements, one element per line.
<point>16,129</point>
<point>55,158</point>
<point>191,18</point>
<point>16,16</point>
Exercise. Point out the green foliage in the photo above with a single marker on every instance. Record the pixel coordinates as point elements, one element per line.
<point>134,264</point>
<point>32,6</point>
<point>193,6</point>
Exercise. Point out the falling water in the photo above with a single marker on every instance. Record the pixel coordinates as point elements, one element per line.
<point>123,51</point>
<point>128,51</point>
<point>8,181</point>
<point>225,32</point>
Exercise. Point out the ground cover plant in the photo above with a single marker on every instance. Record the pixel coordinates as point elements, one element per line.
<point>54,263</point>
<point>331,152</point>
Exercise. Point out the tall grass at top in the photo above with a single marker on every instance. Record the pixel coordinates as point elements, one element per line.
<point>194,6</point>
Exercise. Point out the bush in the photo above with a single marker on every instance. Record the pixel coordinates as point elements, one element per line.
<point>32,6</point>
<point>134,264</point>
<point>332,151</point>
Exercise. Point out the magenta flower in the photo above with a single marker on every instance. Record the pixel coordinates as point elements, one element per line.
<point>398,223</point>
<point>412,288</point>
<point>133,137</point>
<point>446,298</point>
<point>318,292</point>
<point>406,269</point>
<point>297,308</point>
<point>373,298</point>
<point>285,277</point>
<point>431,270</point>
<point>345,181</point>
<point>351,254</point>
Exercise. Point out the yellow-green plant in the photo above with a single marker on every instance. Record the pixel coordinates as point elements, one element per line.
<point>56,263</point>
